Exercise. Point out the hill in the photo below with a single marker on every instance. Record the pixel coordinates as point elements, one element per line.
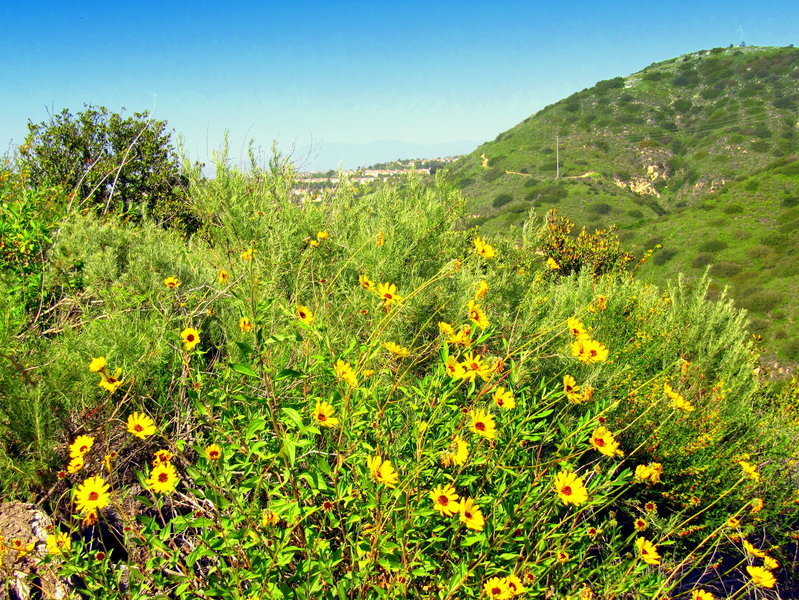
<point>695,153</point>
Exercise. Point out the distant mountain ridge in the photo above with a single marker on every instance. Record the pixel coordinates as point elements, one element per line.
<point>332,155</point>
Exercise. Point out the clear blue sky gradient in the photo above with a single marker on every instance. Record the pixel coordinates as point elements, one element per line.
<point>311,72</point>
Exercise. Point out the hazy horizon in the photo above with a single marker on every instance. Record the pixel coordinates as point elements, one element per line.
<point>346,76</point>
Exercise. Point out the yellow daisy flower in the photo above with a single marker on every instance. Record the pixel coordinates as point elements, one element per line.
<point>388,292</point>
<point>457,453</point>
<point>589,351</point>
<point>397,350</point>
<point>223,277</point>
<point>483,424</point>
<point>344,372</point>
<point>190,338</point>
<point>92,495</point>
<point>515,585</point>
<point>483,248</point>
<point>163,478</point>
<point>504,398</point>
<point>245,325</point>
<point>97,364</point>
<point>140,425</point>
<point>75,464</point>
<point>570,488</point>
<point>761,577</point>
<point>162,456</point>
<point>111,383</point>
<point>750,470</point>
<point>445,500</point>
<point>323,414</point>
<point>647,551</point>
<point>577,329</point>
<point>497,588</point>
<point>81,445</point>
<point>572,390</point>
<point>462,338</point>
<point>172,282</point>
<point>474,366</point>
<point>248,254</point>
<point>445,328</point>
<point>366,283</point>
<point>58,543</point>
<point>478,315</point>
<point>454,368</point>
<point>470,514</point>
<point>382,471</point>
<point>213,452</point>
<point>603,441</point>
<point>305,314</point>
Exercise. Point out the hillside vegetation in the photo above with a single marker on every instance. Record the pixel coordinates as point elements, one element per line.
<point>695,153</point>
<point>357,398</point>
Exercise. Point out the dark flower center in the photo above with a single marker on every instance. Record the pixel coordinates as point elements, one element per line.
<point>566,490</point>
<point>480,426</point>
<point>138,427</point>
<point>443,500</point>
<point>321,417</point>
<point>495,591</point>
<point>163,478</point>
<point>190,337</point>
<point>599,442</point>
<point>93,496</point>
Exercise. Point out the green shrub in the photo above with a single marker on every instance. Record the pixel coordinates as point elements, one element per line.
<point>661,257</point>
<point>110,162</point>
<point>712,246</point>
<point>599,208</point>
<point>702,260</point>
<point>492,174</point>
<point>759,300</point>
<point>763,253</point>
<point>733,209</point>
<point>725,269</point>
<point>502,200</point>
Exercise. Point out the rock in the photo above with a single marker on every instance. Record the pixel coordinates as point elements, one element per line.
<point>23,534</point>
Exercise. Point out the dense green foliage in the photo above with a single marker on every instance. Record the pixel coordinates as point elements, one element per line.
<point>109,162</point>
<point>235,335</point>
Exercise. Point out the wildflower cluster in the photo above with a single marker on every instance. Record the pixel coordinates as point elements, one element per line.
<point>108,381</point>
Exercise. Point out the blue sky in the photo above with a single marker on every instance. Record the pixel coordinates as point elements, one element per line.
<point>316,73</point>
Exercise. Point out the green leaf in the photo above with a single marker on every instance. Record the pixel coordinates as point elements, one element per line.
<point>290,449</point>
<point>244,369</point>
<point>293,416</point>
<point>288,374</point>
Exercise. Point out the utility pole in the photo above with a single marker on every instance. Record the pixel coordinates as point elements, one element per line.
<point>557,157</point>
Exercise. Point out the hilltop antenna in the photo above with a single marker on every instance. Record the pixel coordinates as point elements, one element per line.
<point>741,35</point>
<point>557,157</point>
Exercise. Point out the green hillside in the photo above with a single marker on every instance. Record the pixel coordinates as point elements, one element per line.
<point>747,234</point>
<point>695,153</point>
